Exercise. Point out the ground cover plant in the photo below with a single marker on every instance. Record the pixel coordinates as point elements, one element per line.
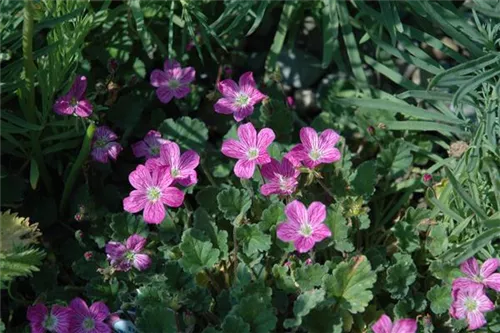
<point>250,166</point>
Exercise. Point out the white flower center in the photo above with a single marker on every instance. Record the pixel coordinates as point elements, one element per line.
<point>73,102</point>
<point>154,151</point>
<point>470,304</point>
<point>88,323</point>
<point>174,84</point>
<point>241,100</point>
<point>306,230</point>
<point>50,322</point>
<point>314,154</point>
<point>154,193</point>
<point>253,153</point>
<point>175,172</point>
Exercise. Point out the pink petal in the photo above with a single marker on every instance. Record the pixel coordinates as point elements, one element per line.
<point>489,267</point>
<point>248,135</point>
<point>228,88</point>
<point>37,328</point>
<point>113,149</point>
<point>101,328</point>
<point>287,232</point>
<point>265,138</point>
<point>263,158</point>
<point>464,283</point>
<point>36,313</point>
<point>141,261</point>
<point>100,155</point>
<point>321,232</point>
<point>225,106</point>
<point>136,243</point>
<point>105,133</point>
<point>271,170</point>
<point>79,86</point>
<point>84,108</point>
<point>135,202</point>
<point>246,79</point>
<point>140,149</point>
<point>470,267</point>
<point>99,311</point>
<point>405,326</point>
<point>244,169</point>
<point>304,244</point>
<point>62,107</point>
<point>241,113</point>
<point>296,155</point>
<point>63,315</point>
<point>493,281</point>
<point>255,95</point>
<point>296,212</point>
<point>329,156</point>
<point>188,75</point>
<point>328,138</point>
<point>164,94</point>
<point>288,168</point>
<point>383,325</point>
<point>485,304</point>
<point>115,250</point>
<point>170,64</point>
<point>79,306</point>
<point>316,213</point>
<point>270,188</point>
<point>171,153</point>
<point>189,180</point>
<point>140,178</point>
<point>234,149</point>
<point>172,197</point>
<point>154,163</point>
<point>153,138</point>
<point>475,319</point>
<point>181,91</point>
<point>189,160</point>
<point>309,138</point>
<point>154,212</point>
<point>158,78</point>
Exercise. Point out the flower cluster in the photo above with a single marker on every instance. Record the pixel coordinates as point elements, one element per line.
<point>125,256</point>
<point>470,301</point>
<point>75,318</point>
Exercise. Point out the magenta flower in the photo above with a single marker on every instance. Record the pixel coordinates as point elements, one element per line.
<point>74,101</point>
<point>58,320</point>
<point>123,257</point>
<point>238,100</point>
<point>470,304</point>
<point>251,150</point>
<point>384,325</point>
<point>484,276</point>
<point>149,147</point>
<point>180,167</point>
<point>172,81</point>
<point>304,227</point>
<point>152,192</point>
<point>89,320</point>
<point>281,177</point>
<point>315,150</point>
<point>104,145</point>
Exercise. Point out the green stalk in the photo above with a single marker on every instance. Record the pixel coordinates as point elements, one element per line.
<point>29,108</point>
<point>73,175</point>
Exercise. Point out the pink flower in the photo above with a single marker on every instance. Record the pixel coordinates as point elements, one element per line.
<point>123,257</point>
<point>104,145</point>
<point>172,81</point>
<point>304,227</point>
<point>281,177</point>
<point>238,100</point>
<point>308,262</point>
<point>152,192</point>
<point>290,102</point>
<point>315,150</point>
<point>149,147</point>
<point>470,303</point>
<point>74,101</point>
<point>58,320</point>
<point>180,167</point>
<point>384,325</point>
<point>485,276</point>
<point>89,320</point>
<point>251,150</point>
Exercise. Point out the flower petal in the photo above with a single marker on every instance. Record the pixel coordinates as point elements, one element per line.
<point>84,108</point>
<point>136,243</point>
<point>321,232</point>
<point>304,244</point>
<point>463,283</point>
<point>115,250</point>
<point>228,88</point>
<point>309,138</point>
<point>189,180</point>
<point>141,261</point>
<point>316,213</point>
<point>140,149</point>
<point>271,170</point>
<point>405,326</point>
<point>99,311</point>
<point>288,168</point>
<point>36,313</point>
<point>135,202</point>
<point>475,320</point>
<point>265,137</point>
<point>182,91</point>
<point>296,155</point>
<point>383,325</point>
<point>329,156</point>
<point>165,94</point>
<point>158,78</point>
<point>101,328</point>
<point>170,64</point>
<point>172,197</point>
<point>296,212</point>
<point>244,169</point>
<point>225,106</point>
<point>241,113</point>
<point>79,306</point>
<point>328,138</point>
<point>63,107</point>
<point>246,79</point>
<point>189,160</point>
<point>171,153</point>
<point>470,267</point>
<point>485,304</point>
<point>154,212</point>
<point>493,281</point>
<point>270,188</point>
<point>113,149</point>
<point>100,155</point>
<point>287,232</point>
<point>188,75</point>
<point>79,86</point>
<point>248,135</point>
<point>489,267</point>
<point>63,315</point>
<point>140,178</point>
<point>234,149</point>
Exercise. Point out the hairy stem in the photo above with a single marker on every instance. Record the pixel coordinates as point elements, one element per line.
<point>73,175</point>
<point>29,108</point>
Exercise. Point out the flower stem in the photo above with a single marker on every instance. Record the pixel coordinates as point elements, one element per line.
<point>73,175</point>
<point>28,93</point>
<point>327,190</point>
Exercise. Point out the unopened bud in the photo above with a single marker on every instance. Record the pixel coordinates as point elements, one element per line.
<point>79,234</point>
<point>88,255</point>
<point>308,262</point>
<point>371,130</point>
<point>78,217</point>
<point>112,65</point>
<point>228,71</point>
<point>427,178</point>
<point>290,102</point>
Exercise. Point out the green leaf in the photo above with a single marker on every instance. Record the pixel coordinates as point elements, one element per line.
<point>253,239</point>
<point>408,240</point>
<point>279,37</point>
<point>207,198</point>
<point>34,174</point>
<point>363,180</point>
<point>204,223</point>
<point>187,132</point>
<point>437,241</point>
<point>400,276</point>
<point>255,310</point>
<point>271,216</point>
<point>320,320</point>
<point>16,264</point>
<point>125,225</point>
<point>283,280</point>
<point>465,196</point>
<point>396,158</point>
<point>351,282</point>
<point>340,231</point>
<point>310,276</point>
<point>330,25</point>
<point>303,305</point>
<point>235,324</point>
<point>233,202</point>
<point>157,319</point>
<point>197,299</point>
<point>440,298</point>
<point>135,6</point>
<point>197,251</point>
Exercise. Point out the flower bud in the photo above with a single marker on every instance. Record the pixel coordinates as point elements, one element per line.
<point>88,255</point>
<point>112,65</point>
<point>308,262</point>
<point>290,102</point>
<point>371,130</point>
<point>427,179</point>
